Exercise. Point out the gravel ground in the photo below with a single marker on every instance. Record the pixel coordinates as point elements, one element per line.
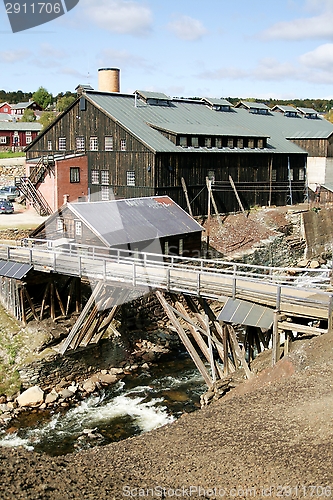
<point>270,438</point>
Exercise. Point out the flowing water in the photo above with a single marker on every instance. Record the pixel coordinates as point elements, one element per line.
<point>136,404</point>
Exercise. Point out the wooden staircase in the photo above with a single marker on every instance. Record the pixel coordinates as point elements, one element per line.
<point>27,185</point>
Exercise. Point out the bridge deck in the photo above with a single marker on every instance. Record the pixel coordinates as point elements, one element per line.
<point>293,291</point>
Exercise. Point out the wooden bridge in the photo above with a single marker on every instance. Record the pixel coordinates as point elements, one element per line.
<point>293,295</point>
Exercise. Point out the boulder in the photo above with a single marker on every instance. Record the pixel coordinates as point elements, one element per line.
<point>314,264</point>
<point>107,378</point>
<point>89,385</point>
<point>34,396</point>
<point>52,397</point>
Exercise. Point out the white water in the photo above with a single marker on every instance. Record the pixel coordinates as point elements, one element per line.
<point>93,413</point>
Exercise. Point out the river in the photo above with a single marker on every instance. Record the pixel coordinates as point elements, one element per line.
<point>138,403</point>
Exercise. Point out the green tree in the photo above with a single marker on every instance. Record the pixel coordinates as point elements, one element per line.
<point>28,116</point>
<point>43,97</point>
<point>64,102</point>
<point>46,118</point>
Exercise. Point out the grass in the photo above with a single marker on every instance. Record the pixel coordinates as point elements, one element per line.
<point>11,154</point>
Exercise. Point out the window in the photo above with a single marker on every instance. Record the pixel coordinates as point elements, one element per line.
<point>108,143</point>
<point>183,141</point>
<point>291,174</point>
<point>208,142</point>
<point>95,177</point>
<point>105,193</point>
<point>123,145</point>
<point>5,110</point>
<point>28,139</point>
<point>250,143</point>
<point>218,142</point>
<point>230,142</point>
<point>78,228</point>
<point>3,140</point>
<point>195,142</point>
<point>240,143</point>
<point>260,143</point>
<point>28,132</point>
<point>105,177</point>
<point>93,144</point>
<point>301,174</point>
<point>62,143</point>
<point>274,175</point>
<point>166,248</point>
<point>60,225</point>
<point>130,175</point>
<point>49,145</point>
<point>74,174</point>
<point>80,143</point>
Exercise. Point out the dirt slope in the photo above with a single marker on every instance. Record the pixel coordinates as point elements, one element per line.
<point>273,438</point>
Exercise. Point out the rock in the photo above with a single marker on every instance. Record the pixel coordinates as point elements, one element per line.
<point>314,264</point>
<point>302,263</point>
<point>104,372</point>
<point>107,379</point>
<point>34,396</point>
<point>145,366</point>
<point>66,394</point>
<point>89,385</point>
<point>12,405</point>
<point>51,397</point>
<point>3,400</point>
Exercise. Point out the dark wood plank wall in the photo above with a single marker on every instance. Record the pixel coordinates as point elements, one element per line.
<point>315,147</point>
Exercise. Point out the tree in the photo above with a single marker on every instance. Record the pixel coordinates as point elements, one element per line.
<point>64,102</point>
<point>43,97</point>
<point>46,118</point>
<point>28,116</point>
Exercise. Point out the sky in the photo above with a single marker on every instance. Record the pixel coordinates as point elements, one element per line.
<point>279,49</point>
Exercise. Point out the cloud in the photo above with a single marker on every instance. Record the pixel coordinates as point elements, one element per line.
<point>270,69</point>
<point>187,28</point>
<point>123,59</point>
<point>224,73</point>
<point>321,57</point>
<point>47,50</point>
<point>119,16</point>
<point>14,56</point>
<point>306,28</point>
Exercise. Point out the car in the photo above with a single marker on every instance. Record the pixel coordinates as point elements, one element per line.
<point>6,207</point>
<point>9,193</point>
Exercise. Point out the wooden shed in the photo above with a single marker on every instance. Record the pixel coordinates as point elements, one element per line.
<point>152,224</point>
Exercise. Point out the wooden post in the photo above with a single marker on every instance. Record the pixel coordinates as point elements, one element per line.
<point>24,317</point>
<point>330,315</point>
<point>210,348</point>
<point>225,350</point>
<point>182,180</point>
<point>184,338</point>
<point>275,339</point>
<point>236,194</point>
<point>209,188</point>
<point>239,353</point>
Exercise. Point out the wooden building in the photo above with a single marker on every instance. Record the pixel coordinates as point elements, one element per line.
<point>154,224</point>
<point>149,144</point>
<point>17,135</point>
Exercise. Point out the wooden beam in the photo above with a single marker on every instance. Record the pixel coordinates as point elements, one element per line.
<point>184,338</point>
<point>239,352</point>
<point>236,194</point>
<point>276,339</point>
<point>209,187</point>
<point>32,307</point>
<point>46,292</point>
<point>182,180</point>
<point>311,330</point>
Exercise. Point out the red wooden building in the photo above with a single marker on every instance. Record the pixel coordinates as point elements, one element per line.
<point>17,135</point>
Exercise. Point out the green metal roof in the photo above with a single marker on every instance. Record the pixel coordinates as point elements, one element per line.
<point>216,102</point>
<point>253,105</point>
<point>29,126</point>
<point>194,117</point>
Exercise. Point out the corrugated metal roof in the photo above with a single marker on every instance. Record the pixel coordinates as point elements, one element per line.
<point>242,312</point>
<point>14,269</point>
<point>194,117</point>
<point>153,95</point>
<point>30,126</point>
<point>217,102</point>
<point>132,220</point>
<point>253,105</point>
<point>308,111</point>
<point>285,108</point>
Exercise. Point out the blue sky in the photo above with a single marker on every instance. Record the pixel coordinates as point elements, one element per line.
<point>274,48</point>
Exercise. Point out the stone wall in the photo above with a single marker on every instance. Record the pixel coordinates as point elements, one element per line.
<point>11,168</point>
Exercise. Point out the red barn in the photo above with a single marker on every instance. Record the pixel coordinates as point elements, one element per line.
<point>17,135</point>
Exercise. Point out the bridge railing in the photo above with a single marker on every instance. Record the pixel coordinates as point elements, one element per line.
<point>302,277</point>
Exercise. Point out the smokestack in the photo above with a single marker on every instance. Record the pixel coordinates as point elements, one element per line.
<point>108,79</point>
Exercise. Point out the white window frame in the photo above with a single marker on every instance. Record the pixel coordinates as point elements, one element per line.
<point>28,139</point>
<point>301,174</point>
<point>105,177</point>
<point>108,143</point>
<point>62,143</point>
<point>78,228</point>
<point>80,143</point>
<point>130,178</point>
<point>122,144</point>
<point>3,139</point>
<point>105,193</point>
<point>60,225</point>
<point>49,145</point>
<point>93,143</point>
<point>95,177</point>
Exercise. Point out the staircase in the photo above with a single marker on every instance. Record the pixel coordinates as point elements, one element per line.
<point>27,185</point>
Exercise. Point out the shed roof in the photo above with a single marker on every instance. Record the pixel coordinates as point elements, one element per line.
<point>20,126</point>
<point>120,222</point>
